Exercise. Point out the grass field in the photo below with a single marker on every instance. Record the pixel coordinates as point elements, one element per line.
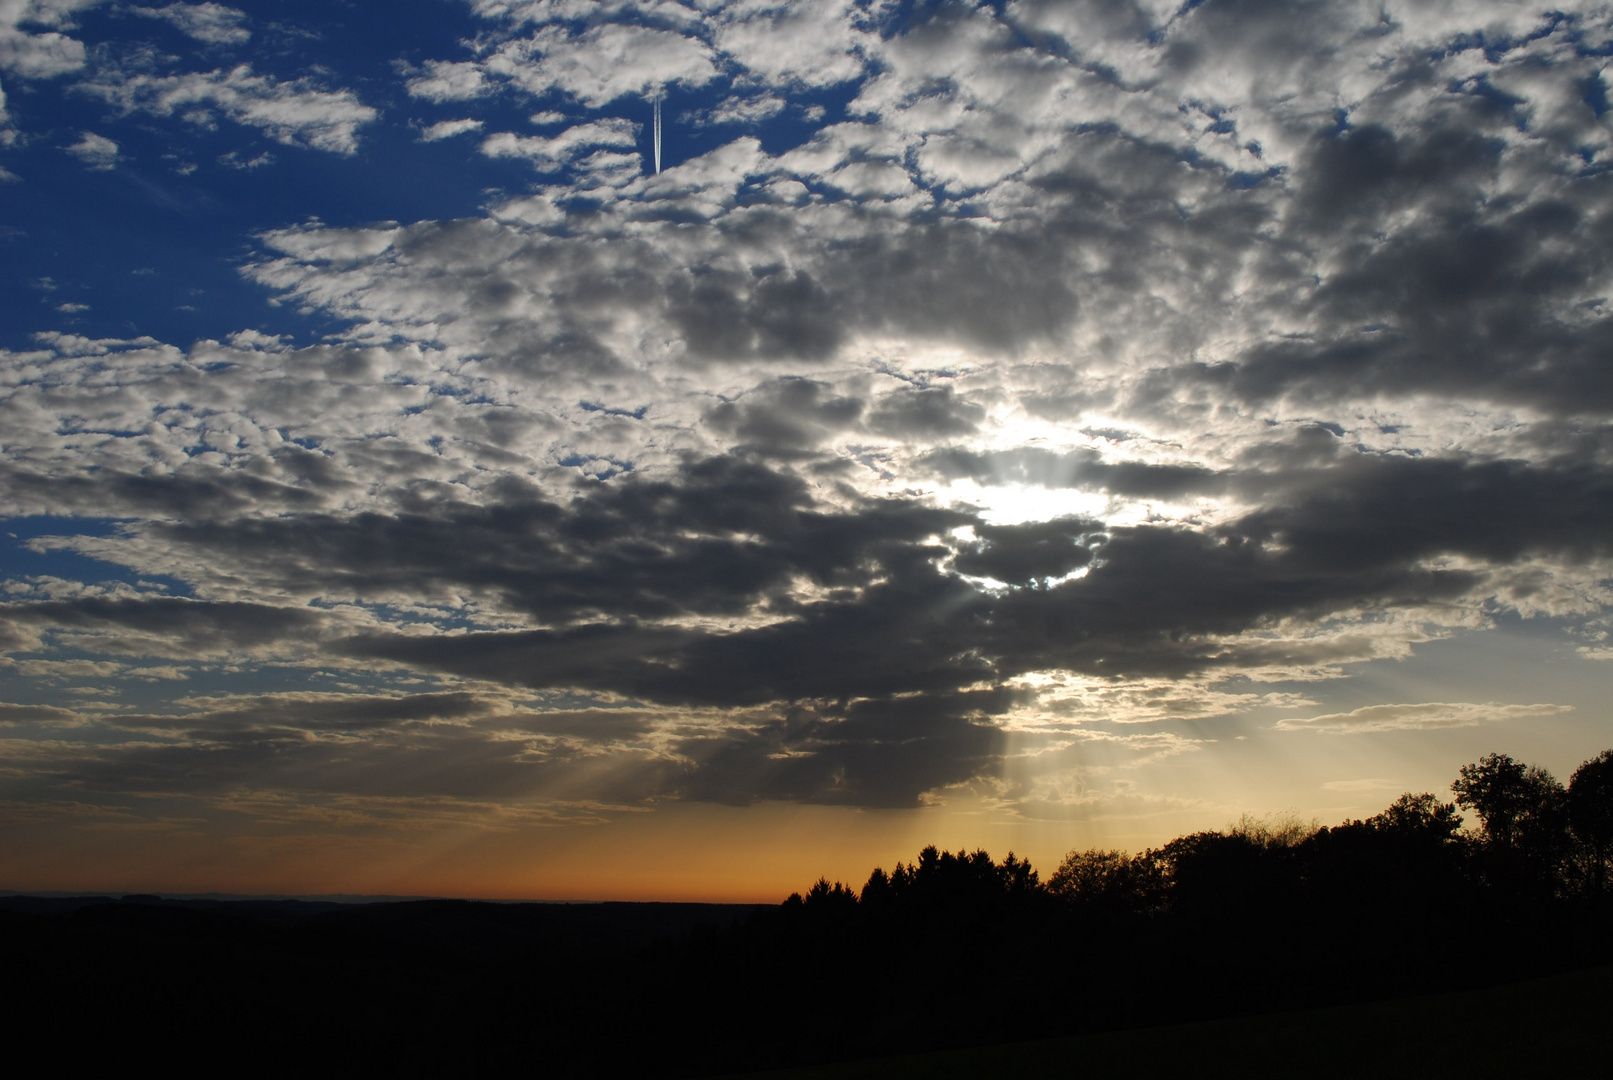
<point>1560,1026</point>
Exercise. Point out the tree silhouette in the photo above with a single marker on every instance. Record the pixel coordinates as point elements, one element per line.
<point>827,897</point>
<point>1419,818</point>
<point>1590,815</point>
<point>877,892</point>
<point>1109,882</point>
<point>1518,805</point>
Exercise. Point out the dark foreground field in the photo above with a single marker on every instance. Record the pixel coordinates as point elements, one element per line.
<point>1558,1027</point>
<point>430,988</point>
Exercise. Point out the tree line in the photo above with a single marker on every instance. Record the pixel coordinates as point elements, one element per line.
<point>1535,841</point>
<point>1259,915</point>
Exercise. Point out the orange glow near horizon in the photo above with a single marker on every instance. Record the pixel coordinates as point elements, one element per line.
<point>693,853</point>
<point>699,852</point>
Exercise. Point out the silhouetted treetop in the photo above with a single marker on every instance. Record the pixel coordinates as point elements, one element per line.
<point>824,896</point>
<point>1419,818</point>
<point>1111,882</point>
<point>1590,815</point>
<point>1515,802</point>
<point>942,878</point>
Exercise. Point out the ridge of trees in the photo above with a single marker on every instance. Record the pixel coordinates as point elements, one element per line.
<point>1535,841</point>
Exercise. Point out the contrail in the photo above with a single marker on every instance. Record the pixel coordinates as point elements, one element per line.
<point>658,133</point>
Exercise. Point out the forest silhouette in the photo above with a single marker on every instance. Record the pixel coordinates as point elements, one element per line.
<point>950,950</point>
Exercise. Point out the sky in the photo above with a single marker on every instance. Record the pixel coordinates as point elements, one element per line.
<point>1020,425</point>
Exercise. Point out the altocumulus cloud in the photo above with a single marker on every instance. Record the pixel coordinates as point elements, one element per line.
<point>1086,363</point>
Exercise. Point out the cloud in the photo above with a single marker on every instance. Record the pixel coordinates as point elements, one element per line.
<point>792,416</point>
<point>1026,553</point>
<point>874,753</point>
<point>297,113</point>
<point>308,744</point>
<point>96,151</point>
<point>739,110</point>
<point>930,413</point>
<point>1426,716</point>
<point>162,627</point>
<point>448,81</point>
<point>212,23</point>
<point>631,49</point>
<point>35,714</point>
<point>1368,786</point>
<point>30,53</point>
<point>814,44</point>
<point>602,63</point>
<point>44,12</point>
<point>447,129</point>
<point>547,154</point>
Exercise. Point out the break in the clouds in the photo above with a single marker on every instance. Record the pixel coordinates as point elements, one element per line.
<point>976,384</point>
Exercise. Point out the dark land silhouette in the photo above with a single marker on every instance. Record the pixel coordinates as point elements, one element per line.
<point>952,950</point>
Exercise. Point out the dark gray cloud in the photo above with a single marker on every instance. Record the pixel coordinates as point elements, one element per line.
<point>1021,554</point>
<point>873,753</point>
<point>791,417</point>
<point>184,626</point>
<point>307,478</point>
<point>926,414</point>
<point>721,538</point>
<point>1371,532</point>
<point>774,314</point>
<point>35,714</point>
<point>285,714</point>
<point>731,538</point>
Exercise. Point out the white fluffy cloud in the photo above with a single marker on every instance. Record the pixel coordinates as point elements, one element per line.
<point>299,113</point>
<point>447,129</point>
<point>30,52</point>
<point>212,23</point>
<point>602,63</point>
<point>816,44</point>
<point>551,153</point>
<point>446,80</point>
<point>634,48</point>
<point>96,151</point>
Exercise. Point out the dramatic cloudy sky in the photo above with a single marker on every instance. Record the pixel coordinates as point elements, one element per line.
<point>1024,424</point>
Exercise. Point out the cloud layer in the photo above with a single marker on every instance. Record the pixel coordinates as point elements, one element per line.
<point>1089,363</point>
